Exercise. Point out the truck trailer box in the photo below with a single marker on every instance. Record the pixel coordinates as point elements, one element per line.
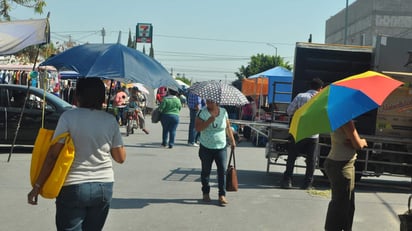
<point>394,117</point>
<point>332,62</point>
<point>393,57</point>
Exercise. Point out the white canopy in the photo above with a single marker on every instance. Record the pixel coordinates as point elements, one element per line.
<point>17,35</point>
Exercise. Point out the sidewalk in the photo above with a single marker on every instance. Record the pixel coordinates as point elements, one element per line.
<point>159,189</point>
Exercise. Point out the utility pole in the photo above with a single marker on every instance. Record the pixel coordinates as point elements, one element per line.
<point>346,24</point>
<point>119,38</point>
<point>103,31</point>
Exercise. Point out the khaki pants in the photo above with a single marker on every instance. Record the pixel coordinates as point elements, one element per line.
<point>341,208</point>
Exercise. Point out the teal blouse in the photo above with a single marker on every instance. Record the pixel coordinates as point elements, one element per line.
<point>214,135</point>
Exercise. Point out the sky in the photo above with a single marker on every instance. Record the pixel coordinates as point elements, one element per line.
<point>200,40</point>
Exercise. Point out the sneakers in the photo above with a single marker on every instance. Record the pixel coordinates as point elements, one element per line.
<point>193,144</point>
<point>223,201</point>
<point>286,183</point>
<point>145,131</point>
<point>206,198</point>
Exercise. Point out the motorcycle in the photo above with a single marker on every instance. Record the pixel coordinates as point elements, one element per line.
<point>131,117</point>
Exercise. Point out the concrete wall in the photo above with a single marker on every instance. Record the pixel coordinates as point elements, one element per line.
<point>369,18</point>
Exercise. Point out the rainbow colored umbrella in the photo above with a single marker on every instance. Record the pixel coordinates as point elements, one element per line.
<point>341,102</point>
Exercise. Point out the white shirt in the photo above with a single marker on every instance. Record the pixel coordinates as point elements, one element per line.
<point>94,134</point>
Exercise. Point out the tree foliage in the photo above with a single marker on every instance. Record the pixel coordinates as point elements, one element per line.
<point>185,80</point>
<point>130,42</point>
<point>7,5</point>
<point>259,63</point>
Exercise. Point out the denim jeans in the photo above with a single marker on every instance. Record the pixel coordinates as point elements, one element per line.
<point>306,146</point>
<point>207,156</point>
<point>192,132</point>
<point>341,208</point>
<point>169,123</point>
<point>120,115</point>
<point>83,206</point>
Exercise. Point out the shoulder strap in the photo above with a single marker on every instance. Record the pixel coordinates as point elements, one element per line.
<point>61,136</point>
<point>232,154</point>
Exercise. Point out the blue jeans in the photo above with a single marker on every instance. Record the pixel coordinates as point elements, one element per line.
<point>169,123</point>
<point>120,115</point>
<point>83,206</point>
<point>207,156</point>
<point>192,132</point>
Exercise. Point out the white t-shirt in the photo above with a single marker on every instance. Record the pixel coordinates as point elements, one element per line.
<point>94,134</point>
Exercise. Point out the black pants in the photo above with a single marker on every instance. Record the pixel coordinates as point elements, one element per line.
<point>306,146</point>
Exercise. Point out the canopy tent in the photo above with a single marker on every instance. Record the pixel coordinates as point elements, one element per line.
<point>68,75</point>
<point>279,86</point>
<point>17,35</point>
<point>182,84</point>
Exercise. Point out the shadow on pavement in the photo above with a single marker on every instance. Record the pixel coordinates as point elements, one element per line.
<point>139,203</point>
<point>247,178</point>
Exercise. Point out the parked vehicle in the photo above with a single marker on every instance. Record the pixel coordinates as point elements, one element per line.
<point>11,104</point>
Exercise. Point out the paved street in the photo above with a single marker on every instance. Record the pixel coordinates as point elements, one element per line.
<point>159,189</point>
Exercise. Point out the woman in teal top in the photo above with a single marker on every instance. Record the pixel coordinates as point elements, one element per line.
<point>170,108</point>
<point>214,125</point>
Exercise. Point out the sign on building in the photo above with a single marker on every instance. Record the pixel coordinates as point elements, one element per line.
<point>144,33</point>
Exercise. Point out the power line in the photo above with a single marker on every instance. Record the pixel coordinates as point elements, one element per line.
<point>223,40</point>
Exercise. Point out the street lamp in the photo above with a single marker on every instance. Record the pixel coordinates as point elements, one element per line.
<point>276,49</point>
<point>276,52</point>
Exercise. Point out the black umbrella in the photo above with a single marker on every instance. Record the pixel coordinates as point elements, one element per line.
<point>221,93</point>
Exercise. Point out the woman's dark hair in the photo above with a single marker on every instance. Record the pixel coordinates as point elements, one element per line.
<point>172,92</point>
<point>90,93</point>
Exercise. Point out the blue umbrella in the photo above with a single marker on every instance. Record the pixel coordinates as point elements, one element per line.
<point>113,61</point>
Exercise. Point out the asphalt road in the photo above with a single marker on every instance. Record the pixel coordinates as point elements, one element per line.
<point>159,189</point>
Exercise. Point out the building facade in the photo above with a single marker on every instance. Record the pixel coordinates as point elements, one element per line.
<point>368,18</point>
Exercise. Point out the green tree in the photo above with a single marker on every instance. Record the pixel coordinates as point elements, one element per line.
<point>130,42</point>
<point>259,63</point>
<point>7,5</point>
<point>185,80</point>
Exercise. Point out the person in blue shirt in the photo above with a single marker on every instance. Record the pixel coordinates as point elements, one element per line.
<point>194,103</point>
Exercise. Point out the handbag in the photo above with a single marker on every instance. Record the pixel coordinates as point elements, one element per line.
<point>156,115</point>
<point>406,218</point>
<point>57,177</point>
<point>231,174</point>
